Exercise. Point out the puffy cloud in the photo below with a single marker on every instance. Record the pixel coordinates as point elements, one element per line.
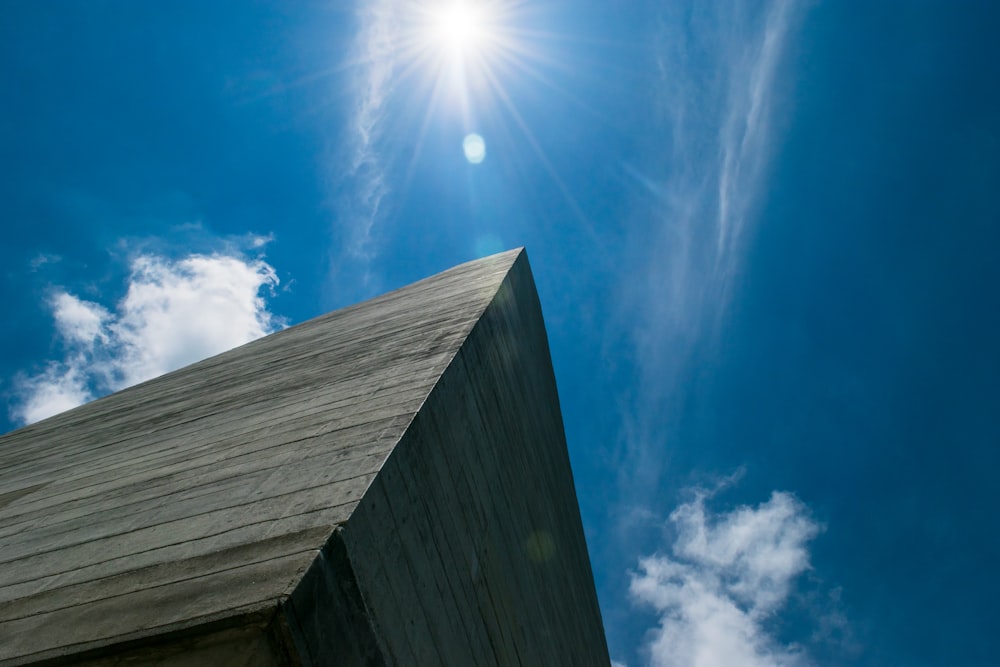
<point>79,321</point>
<point>174,312</point>
<point>56,389</point>
<point>726,576</point>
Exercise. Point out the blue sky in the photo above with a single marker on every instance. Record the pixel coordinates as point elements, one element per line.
<point>764,235</point>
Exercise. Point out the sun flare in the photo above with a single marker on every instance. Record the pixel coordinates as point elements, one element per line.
<point>461,28</point>
<point>458,26</point>
<point>461,62</point>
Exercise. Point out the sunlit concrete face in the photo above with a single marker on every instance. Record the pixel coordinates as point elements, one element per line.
<point>386,484</point>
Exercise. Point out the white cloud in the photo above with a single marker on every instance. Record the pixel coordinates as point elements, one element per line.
<point>79,321</point>
<point>174,312</point>
<point>725,577</point>
<point>178,312</point>
<point>56,389</point>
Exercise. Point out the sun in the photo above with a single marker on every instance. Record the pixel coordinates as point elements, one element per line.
<point>461,28</point>
<point>458,26</point>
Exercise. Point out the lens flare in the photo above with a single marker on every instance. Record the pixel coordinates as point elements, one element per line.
<point>475,148</point>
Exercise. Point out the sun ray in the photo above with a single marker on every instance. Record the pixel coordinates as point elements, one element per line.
<point>422,133</point>
<point>578,212</point>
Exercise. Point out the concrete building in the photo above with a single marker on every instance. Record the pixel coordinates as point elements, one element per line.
<point>385,484</point>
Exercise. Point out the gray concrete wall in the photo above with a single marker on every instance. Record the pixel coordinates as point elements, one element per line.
<point>248,645</point>
<point>468,547</point>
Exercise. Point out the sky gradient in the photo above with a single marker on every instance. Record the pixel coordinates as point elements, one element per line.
<point>764,235</point>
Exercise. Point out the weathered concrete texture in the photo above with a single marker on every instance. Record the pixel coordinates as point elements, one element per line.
<point>248,645</point>
<point>468,547</point>
<point>212,516</point>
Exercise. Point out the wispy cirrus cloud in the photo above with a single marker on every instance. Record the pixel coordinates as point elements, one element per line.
<point>725,576</point>
<point>174,312</point>
<point>375,54</point>
<point>717,105</point>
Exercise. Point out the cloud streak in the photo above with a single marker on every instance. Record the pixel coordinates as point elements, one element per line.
<point>746,134</point>
<point>174,312</point>
<point>716,103</point>
<point>375,52</point>
<point>726,575</point>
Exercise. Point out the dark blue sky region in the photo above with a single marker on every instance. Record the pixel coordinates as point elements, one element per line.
<point>764,235</point>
